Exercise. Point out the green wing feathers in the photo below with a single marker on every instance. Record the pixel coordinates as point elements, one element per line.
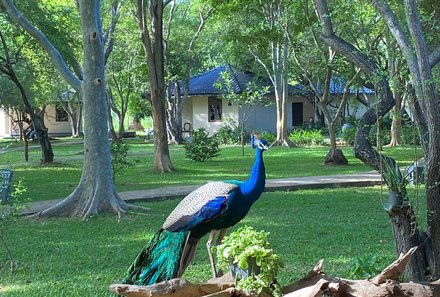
<point>159,260</point>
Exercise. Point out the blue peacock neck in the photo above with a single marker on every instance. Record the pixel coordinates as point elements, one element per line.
<point>253,187</point>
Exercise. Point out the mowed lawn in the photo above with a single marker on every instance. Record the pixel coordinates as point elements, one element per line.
<point>59,179</point>
<point>70,257</point>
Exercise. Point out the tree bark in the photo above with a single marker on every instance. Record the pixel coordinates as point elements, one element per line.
<point>363,148</point>
<point>154,54</point>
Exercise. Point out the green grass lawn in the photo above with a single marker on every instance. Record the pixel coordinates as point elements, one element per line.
<point>59,179</point>
<point>70,257</point>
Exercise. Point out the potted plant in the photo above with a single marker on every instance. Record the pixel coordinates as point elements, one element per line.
<point>396,184</point>
<point>248,255</point>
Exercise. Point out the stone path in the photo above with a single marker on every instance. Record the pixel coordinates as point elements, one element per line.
<point>281,184</point>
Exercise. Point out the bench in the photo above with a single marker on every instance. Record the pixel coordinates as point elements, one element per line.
<point>5,184</point>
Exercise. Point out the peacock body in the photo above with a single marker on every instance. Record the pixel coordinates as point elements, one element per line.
<point>213,206</point>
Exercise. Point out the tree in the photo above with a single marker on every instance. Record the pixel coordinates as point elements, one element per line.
<point>150,21</point>
<point>7,67</point>
<point>182,48</point>
<point>95,192</point>
<point>419,60</point>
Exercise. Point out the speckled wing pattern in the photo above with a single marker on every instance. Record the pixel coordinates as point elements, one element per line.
<point>194,202</point>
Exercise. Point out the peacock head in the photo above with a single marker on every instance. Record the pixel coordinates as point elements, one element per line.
<point>258,143</point>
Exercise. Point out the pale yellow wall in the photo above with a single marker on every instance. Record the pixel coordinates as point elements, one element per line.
<point>5,125</point>
<point>200,114</point>
<point>53,126</point>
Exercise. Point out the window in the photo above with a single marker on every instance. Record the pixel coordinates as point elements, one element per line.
<point>214,109</point>
<point>61,115</point>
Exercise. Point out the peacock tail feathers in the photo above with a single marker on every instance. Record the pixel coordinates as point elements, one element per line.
<point>159,260</point>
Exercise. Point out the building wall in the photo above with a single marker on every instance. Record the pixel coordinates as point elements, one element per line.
<point>258,118</point>
<point>54,127</point>
<point>5,125</point>
<point>199,107</point>
<point>264,118</point>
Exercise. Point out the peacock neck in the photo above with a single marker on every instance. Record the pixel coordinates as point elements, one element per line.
<point>254,185</point>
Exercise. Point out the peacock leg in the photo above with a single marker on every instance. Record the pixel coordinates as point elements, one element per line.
<point>220,237</point>
<point>211,257</point>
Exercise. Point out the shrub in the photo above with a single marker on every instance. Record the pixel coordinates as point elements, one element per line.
<point>244,244</point>
<point>348,135</point>
<point>307,137</point>
<point>365,266</point>
<point>409,135</point>
<point>229,134</point>
<point>201,147</point>
<point>268,136</point>
<point>119,152</point>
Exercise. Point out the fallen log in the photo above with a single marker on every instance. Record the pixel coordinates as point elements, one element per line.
<point>318,284</point>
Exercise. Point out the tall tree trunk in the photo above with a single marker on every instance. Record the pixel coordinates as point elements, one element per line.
<point>401,217</point>
<point>396,123</point>
<point>174,114</point>
<point>95,192</point>
<point>154,53</point>
<point>281,82</point>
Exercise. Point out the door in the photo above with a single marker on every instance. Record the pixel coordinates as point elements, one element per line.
<point>297,114</point>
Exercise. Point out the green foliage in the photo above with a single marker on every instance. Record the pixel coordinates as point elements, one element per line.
<point>307,137</point>
<point>9,214</point>
<point>348,135</point>
<point>247,243</point>
<point>393,177</point>
<point>268,136</point>
<point>201,147</point>
<point>230,133</point>
<point>409,135</point>
<point>119,151</point>
<point>364,267</point>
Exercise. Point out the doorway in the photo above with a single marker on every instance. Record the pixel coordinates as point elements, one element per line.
<point>297,114</point>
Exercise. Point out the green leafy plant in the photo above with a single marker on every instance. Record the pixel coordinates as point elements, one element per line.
<point>268,136</point>
<point>364,267</point>
<point>245,244</point>
<point>230,133</point>
<point>201,147</point>
<point>9,213</point>
<point>348,135</point>
<point>307,137</point>
<point>119,151</point>
<point>393,177</point>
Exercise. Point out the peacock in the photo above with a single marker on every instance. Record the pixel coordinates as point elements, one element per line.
<point>212,208</point>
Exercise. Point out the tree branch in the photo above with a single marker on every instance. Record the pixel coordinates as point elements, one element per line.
<point>54,54</point>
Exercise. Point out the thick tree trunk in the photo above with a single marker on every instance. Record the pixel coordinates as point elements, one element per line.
<point>96,192</point>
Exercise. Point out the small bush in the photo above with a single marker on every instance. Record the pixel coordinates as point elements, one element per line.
<point>307,137</point>
<point>201,147</point>
<point>244,244</point>
<point>268,136</point>
<point>364,267</point>
<point>229,134</point>
<point>348,135</point>
<point>409,135</point>
<point>119,152</point>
